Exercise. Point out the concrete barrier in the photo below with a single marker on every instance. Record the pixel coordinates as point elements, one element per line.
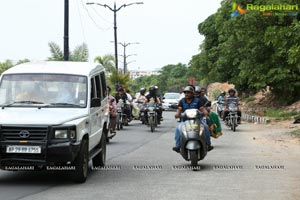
<point>254,119</point>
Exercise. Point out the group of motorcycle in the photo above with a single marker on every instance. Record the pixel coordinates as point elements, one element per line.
<point>146,114</point>
<point>231,120</point>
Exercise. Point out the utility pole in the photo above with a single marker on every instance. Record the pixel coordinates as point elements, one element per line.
<point>124,53</point>
<point>115,10</point>
<point>66,31</point>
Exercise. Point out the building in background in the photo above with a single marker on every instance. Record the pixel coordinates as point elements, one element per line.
<point>133,74</point>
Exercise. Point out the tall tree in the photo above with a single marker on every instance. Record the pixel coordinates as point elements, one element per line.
<point>251,51</point>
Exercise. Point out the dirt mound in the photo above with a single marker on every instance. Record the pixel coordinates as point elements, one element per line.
<point>214,89</point>
<point>294,107</point>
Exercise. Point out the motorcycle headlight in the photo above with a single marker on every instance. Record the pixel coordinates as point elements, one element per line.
<point>233,109</point>
<point>151,109</point>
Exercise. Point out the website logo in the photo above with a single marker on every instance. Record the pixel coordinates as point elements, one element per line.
<point>237,10</point>
<point>266,9</point>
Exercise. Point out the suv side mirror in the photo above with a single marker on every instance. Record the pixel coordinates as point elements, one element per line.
<point>96,102</point>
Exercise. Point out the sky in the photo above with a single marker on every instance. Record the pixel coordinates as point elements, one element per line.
<point>166,30</point>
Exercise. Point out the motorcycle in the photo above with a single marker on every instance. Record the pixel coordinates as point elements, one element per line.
<point>219,109</point>
<point>193,144</point>
<point>151,115</point>
<point>120,121</point>
<point>231,119</point>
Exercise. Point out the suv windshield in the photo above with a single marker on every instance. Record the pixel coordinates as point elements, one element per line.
<point>55,90</point>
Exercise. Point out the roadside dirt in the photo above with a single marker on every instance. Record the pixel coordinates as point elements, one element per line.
<point>282,134</point>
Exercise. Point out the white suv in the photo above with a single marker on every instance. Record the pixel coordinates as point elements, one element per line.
<point>53,115</point>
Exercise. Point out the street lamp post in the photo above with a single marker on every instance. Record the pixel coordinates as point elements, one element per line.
<point>115,10</point>
<point>124,53</point>
<point>66,31</point>
<point>125,63</point>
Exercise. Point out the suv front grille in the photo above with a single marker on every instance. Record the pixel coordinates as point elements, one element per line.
<point>34,133</point>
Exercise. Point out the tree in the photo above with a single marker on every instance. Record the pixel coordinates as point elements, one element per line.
<point>251,51</point>
<point>80,53</point>
<point>8,64</point>
<point>5,66</point>
<point>123,79</point>
<point>107,61</point>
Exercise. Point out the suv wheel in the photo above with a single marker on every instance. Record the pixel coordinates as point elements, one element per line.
<point>99,160</point>
<point>81,163</point>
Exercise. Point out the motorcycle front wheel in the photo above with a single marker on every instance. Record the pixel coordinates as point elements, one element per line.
<point>151,123</point>
<point>194,158</point>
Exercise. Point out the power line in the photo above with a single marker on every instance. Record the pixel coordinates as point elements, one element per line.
<point>101,16</point>
<point>88,13</point>
<point>82,28</point>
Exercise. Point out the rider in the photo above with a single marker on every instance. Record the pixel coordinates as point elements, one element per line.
<point>197,91</point>
<point>214,125</point>
<point>221,97</point>
<point>153,97</point>
<point>122,95</point>
<point>190,102</point>
<point>203,93</point>
<point>232,99</point>
<point>142,95</point>
<point>158,94</point>
<point>112,109</point>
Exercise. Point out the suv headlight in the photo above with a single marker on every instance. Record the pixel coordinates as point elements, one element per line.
<point>61,134</point>
<point>64,132</point>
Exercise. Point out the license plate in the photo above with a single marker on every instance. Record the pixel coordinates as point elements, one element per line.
<point>23,149</point>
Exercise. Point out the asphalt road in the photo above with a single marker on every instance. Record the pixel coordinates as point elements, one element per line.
<point>141,165</point>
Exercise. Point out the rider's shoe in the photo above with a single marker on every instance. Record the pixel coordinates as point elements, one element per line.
<point>177,149</point>
<point>209,147</point>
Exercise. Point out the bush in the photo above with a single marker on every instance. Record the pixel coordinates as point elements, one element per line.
<point>279,113</point>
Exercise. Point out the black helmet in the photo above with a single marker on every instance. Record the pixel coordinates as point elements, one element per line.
<point>151,89</point>
<point>231,90</point>
<point>143,90</point>
<point>120,89</point>
<point>188,89</point>
<point>223,92</point>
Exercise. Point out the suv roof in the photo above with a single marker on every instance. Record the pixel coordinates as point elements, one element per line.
<point>56,67</point>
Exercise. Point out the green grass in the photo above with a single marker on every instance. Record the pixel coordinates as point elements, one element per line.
<point>280,114</point>
<point>295,133</point>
